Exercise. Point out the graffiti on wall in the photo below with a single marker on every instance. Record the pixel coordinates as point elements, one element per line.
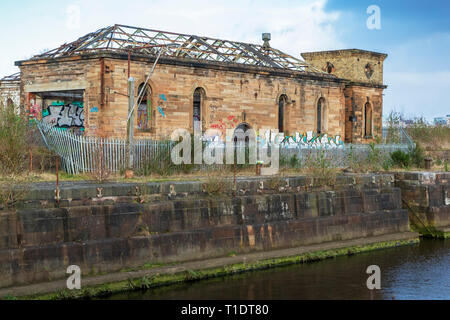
<point>224,124</point>
<point>144,115</point>
<point>302,140</point>
<point>33,108</point>
<point>64,116</point>
<point>162,102</point>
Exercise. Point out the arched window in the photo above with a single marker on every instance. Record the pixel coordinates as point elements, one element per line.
<point>329,68</point>
<point>367,120</point>
<point>199,95</point>
<point>144,111</point>
<point>320,125</point>
<point>244,139</point>
<point>9,103</point>
<point>282,103</point>
<point>241,128</point>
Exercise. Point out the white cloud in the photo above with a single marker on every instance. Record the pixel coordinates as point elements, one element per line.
<point>296,26</point>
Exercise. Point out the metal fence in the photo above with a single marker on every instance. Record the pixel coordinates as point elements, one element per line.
<point>81,154</point>
<point>86,153</point>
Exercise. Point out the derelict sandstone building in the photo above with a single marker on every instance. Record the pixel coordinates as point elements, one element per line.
<point>82,86</point>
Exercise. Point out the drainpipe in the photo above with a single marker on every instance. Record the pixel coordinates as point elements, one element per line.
<point>130,123</point>
<point>102,82</point>
<point>129,64</point>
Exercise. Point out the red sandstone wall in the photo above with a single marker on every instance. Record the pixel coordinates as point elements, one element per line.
<point>355,99</point>
<point>230,97</point>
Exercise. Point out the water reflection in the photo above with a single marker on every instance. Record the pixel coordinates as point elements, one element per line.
<point>414,272</point>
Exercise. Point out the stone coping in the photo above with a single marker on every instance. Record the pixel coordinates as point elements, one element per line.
<point>78,190</point>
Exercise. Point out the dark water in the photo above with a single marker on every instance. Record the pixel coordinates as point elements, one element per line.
<point>420,271</point>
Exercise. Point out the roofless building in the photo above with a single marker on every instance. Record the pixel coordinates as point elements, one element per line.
<point>82,86</point>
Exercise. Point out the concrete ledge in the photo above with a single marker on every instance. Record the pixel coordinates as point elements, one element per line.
<point>326,249</point>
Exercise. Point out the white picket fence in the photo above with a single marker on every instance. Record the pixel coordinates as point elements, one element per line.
<point>81,154</point>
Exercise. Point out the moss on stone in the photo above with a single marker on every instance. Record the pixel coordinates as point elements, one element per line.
<point>431,232</point>
<point>152,281</point>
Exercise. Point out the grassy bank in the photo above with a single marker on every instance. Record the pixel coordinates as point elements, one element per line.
<point>157,280</point>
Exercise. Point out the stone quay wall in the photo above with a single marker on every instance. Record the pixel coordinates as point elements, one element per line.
<point>128,225</point>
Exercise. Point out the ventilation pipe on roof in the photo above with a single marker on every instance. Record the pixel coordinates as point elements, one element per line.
<point>266,38</point>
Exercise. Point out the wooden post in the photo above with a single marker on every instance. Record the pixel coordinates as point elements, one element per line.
<point>57,196</point>
<point>31,161</point>
<point>130,124</point>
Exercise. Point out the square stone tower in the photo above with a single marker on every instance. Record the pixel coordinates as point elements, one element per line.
<point>363,92</point>
<point>356,65</point>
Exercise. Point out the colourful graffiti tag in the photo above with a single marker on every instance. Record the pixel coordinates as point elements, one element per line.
<point>302,140</point>
<point>161,104</point>
<point>64,116</point>
<point>229,123</point>
<point>161,110</point>
<point>312,140</point>
<point>34,109</point>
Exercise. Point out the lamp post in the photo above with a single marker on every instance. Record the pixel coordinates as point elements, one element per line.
<point>132,103</point>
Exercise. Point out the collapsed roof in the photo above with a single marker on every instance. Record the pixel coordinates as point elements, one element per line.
<point>13,77</point>
<point>121,38</point>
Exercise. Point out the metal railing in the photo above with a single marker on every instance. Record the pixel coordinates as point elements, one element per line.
<point>83,154</point>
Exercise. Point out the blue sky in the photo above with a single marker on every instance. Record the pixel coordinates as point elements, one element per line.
<point>415,34</point>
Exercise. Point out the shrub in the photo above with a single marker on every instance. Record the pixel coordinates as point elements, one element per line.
<point>15,132</point>
<point>294,162</point>
<point>417,156</point>
<point>160,164</point>
<point>216,185</point>
<point>46,158</point>
<point>401,159</point>
<point>357,162</point>
<point>393,121</point>
<point>275,183</point>
<point>12,191</point>
<point>321,168</point>
<point>375,158</point>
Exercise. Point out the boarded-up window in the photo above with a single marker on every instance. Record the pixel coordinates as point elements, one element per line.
<point>367,120</point>
<point>144,110</point>
<point>282,102</point>
<point>320,117</point>
<point>197,108</point>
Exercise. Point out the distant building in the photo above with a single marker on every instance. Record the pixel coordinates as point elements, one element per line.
<point>441,121</point>
<point>10,90</point>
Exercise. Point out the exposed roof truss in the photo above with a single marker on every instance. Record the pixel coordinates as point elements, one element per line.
<point>121,38</point>
<point>13,77</point>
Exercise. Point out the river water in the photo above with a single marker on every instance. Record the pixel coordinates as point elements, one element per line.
<point>419,271</point>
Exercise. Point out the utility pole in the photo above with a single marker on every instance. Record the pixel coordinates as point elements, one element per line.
<point>130,123</point>
<point>132,103</point>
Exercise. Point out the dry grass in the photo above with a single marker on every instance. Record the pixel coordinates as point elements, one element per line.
<point>430,137</point>
<point>217,184</point>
